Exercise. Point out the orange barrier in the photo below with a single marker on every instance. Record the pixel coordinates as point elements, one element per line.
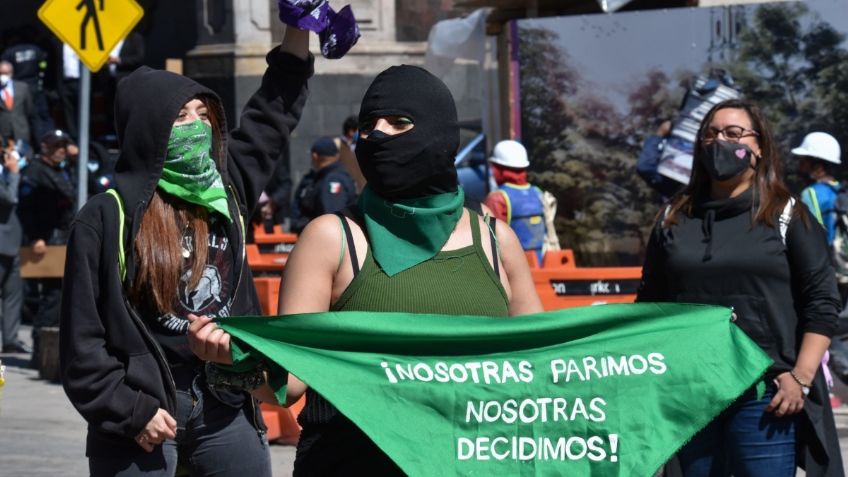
<point>282,422</point>
<point>265,262</point>
<point>276,241</point>
<point>531,259</point>
<point>560,283</point>
<point>268,289</point>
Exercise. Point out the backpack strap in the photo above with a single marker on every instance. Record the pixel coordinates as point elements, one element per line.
<point>122,258</point>
<point>810,194</point>
<point>785,216</point>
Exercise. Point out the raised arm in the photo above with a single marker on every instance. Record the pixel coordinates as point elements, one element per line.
<point>270,116</point>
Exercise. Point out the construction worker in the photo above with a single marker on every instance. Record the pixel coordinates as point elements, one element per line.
<point>817,155</point>
<point>519,203</point>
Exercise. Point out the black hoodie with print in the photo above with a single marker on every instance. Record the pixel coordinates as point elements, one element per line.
<point>113,371</point>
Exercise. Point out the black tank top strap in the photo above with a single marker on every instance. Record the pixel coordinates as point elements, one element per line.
<point>351,246</point>
<point>493,222</point>
<point>478,241</point>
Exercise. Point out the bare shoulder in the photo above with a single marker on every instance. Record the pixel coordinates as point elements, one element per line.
<point>321,229</point>
<point>321,236</point>
<point>506,237</point>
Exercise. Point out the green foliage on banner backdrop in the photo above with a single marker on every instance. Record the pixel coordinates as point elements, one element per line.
<point>792,63</point>
<point>789,61</point>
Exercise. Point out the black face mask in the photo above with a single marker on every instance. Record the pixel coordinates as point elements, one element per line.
<point>420,161</point>
<point>725,160</point>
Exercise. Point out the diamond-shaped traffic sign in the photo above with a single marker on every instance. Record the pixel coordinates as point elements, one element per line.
<point>91,27</point>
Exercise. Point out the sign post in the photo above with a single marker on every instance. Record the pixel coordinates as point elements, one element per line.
<point>92,28</point>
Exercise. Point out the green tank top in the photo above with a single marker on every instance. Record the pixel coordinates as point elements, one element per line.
<point>454,282</point>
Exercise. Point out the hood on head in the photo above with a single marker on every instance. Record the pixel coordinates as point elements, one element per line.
<point>146,105</point>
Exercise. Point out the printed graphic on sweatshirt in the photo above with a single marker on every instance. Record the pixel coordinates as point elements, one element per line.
<point>213,295</point>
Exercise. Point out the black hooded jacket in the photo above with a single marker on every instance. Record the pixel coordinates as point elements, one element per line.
<point>778,290</point>
<point>113,371</point>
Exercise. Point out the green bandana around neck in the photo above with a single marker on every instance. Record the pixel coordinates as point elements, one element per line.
<point>405,233</point>
<point>190,172</point>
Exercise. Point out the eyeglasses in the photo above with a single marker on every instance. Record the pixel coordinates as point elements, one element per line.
<point>730,133</point>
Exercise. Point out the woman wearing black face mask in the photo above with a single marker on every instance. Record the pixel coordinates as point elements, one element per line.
<point>735,237</point>
<point>410,246</point>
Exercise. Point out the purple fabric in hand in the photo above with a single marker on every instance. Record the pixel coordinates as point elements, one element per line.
<point>305,14</point>
<point>340,36</point>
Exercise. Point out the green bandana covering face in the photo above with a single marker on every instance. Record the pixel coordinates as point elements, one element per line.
<point>609,390</point>
<point>190,172</point>
<point>405,233</point>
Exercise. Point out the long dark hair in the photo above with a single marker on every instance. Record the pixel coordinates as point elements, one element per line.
<point>160,234</point>
<point>770,193</point>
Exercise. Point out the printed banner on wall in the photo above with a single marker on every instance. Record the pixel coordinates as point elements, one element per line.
<point>605,390</point>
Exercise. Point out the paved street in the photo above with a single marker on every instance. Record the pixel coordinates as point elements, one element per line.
<point>42,435</point>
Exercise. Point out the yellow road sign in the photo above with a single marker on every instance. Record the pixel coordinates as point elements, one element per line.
<point>91,27</point>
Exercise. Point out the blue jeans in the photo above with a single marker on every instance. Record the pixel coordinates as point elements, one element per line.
<point>213,439</point>
<point>744,440</point>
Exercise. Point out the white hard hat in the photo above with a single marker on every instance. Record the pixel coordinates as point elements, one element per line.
<point>821,146</point>
<point>510,153</point>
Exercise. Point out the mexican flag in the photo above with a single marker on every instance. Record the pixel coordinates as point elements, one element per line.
<point>601,390</point>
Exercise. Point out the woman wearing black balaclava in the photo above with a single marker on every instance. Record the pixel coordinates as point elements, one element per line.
<point>410,246</point>
<point>735,237</point>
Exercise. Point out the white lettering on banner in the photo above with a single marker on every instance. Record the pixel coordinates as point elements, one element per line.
<point>596,368</point>
<point>530,411</point>
<point>541,409</point>
<point>522,448</point>
<point>488,372</point>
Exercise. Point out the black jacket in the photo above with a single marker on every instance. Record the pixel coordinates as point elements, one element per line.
<point>113,370</point>
<point>778,292</point>
<point>325,191</point>
<point>47,199</point>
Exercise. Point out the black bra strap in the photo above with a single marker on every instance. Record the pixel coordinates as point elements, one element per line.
<point>492,223</point>
<point>354,261</point>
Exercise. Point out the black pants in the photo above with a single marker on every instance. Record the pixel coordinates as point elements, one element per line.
<point>339,448</point>
<point>49,301</point>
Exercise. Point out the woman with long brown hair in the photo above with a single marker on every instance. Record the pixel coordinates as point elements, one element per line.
<point>167,244</point>
<point>735,236</point>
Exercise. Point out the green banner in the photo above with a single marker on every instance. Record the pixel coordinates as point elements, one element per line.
<point>603,390</point>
